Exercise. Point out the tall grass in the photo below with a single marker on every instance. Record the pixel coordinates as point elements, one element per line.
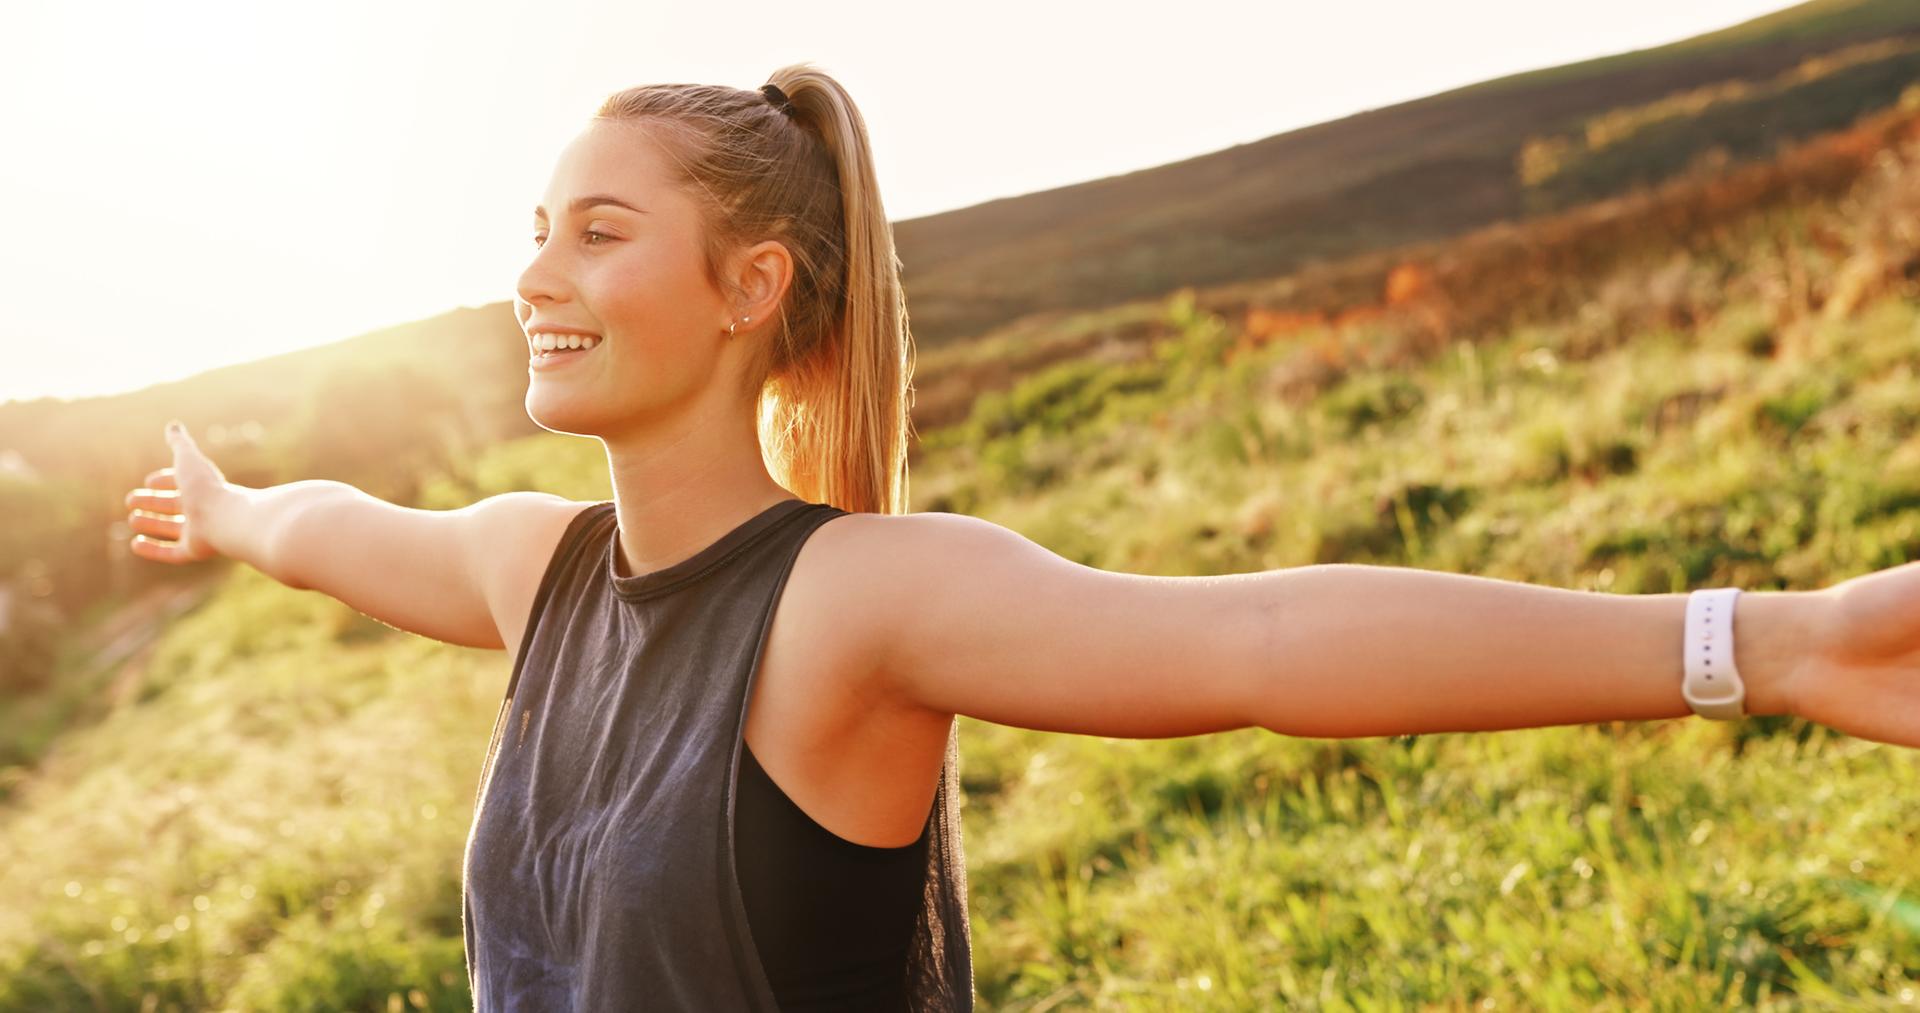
<point>1678,865</point>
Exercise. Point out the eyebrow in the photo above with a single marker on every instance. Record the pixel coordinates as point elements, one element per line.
<point>591,200</point>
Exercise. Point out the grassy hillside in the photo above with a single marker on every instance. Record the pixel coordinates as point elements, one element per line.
<point>273,817</point>
<point>1420,298</point>
<point>1419,170</point>
<point>377,410</point>
<point>1735,434</point>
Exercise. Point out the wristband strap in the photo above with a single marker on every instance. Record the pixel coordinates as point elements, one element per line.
<point>1712,687</point>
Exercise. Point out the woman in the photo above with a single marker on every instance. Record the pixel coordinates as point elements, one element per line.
<point>723,773</point>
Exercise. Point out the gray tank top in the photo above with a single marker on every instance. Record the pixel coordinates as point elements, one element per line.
<point>598,872</point>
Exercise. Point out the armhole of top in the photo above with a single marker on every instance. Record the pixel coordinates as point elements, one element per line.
<point>568,538</point>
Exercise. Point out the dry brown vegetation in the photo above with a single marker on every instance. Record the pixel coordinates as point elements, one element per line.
<point>1400,306</point>
<point>1428,169</point>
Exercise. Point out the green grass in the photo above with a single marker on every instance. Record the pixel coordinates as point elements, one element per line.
<point>276,824</point>
<point>1555,868</point>
<point>1562,868</point>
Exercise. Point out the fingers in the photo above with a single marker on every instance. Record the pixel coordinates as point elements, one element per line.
<point>157,537</point>
<point>159,552</point>
<point>156,526</point>
<point>160,501</point>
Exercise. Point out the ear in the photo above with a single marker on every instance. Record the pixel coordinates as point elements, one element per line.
<point>761,276</point>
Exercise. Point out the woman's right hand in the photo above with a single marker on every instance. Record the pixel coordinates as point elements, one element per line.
<point>184,496</point>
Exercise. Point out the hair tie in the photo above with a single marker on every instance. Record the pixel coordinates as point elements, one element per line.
<point>778,98</point>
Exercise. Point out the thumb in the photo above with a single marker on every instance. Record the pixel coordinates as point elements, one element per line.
<point>191,466</point>
<point>177,437</point>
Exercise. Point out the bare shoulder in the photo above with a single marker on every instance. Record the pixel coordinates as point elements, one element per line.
<point>868,576</point>
<point>510,539</point>
<point>882,555</point>
<point>905,542</point>
<point>958,615</point>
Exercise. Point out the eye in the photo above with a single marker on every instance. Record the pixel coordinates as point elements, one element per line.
<point>538,240</point>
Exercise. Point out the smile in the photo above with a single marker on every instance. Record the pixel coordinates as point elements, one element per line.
<point>547,341</point>
<point>554,358</point>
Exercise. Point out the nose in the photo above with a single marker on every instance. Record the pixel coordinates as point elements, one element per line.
<point>539,282</point>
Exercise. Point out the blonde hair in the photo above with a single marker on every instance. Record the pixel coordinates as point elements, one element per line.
<point>833,386</point>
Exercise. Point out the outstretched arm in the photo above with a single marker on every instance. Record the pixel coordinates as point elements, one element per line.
<point>463,576</point>
<point>965,616</point>
<point>1378,650</point>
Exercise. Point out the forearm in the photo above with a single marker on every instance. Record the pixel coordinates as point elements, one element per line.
<point>1360,650</point>
<point>261,527</point>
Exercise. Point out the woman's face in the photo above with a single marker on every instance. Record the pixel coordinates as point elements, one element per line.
<point>633,275</point>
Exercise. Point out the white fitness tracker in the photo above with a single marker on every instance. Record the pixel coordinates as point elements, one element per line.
<point>1712,686</point>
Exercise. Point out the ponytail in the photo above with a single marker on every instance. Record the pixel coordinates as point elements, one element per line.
<point>833,385</point>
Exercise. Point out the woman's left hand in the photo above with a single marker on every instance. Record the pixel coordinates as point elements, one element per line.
<point>1861,675</point>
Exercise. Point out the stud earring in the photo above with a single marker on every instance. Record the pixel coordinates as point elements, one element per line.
<point>743,320</point>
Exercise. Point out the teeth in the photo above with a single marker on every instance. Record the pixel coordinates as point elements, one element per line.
<point>548,342</point>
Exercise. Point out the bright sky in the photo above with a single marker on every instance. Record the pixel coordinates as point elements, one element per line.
<point>200,182</point>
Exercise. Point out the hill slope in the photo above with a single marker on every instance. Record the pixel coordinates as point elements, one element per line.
<point>1417,170</point>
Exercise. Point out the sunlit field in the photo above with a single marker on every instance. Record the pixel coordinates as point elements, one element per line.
<point>1713,385</point>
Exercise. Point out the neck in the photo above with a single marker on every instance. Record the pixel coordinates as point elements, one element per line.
<point>678,488</point>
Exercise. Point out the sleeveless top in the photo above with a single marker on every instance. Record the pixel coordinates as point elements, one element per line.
<point>599,870</point>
